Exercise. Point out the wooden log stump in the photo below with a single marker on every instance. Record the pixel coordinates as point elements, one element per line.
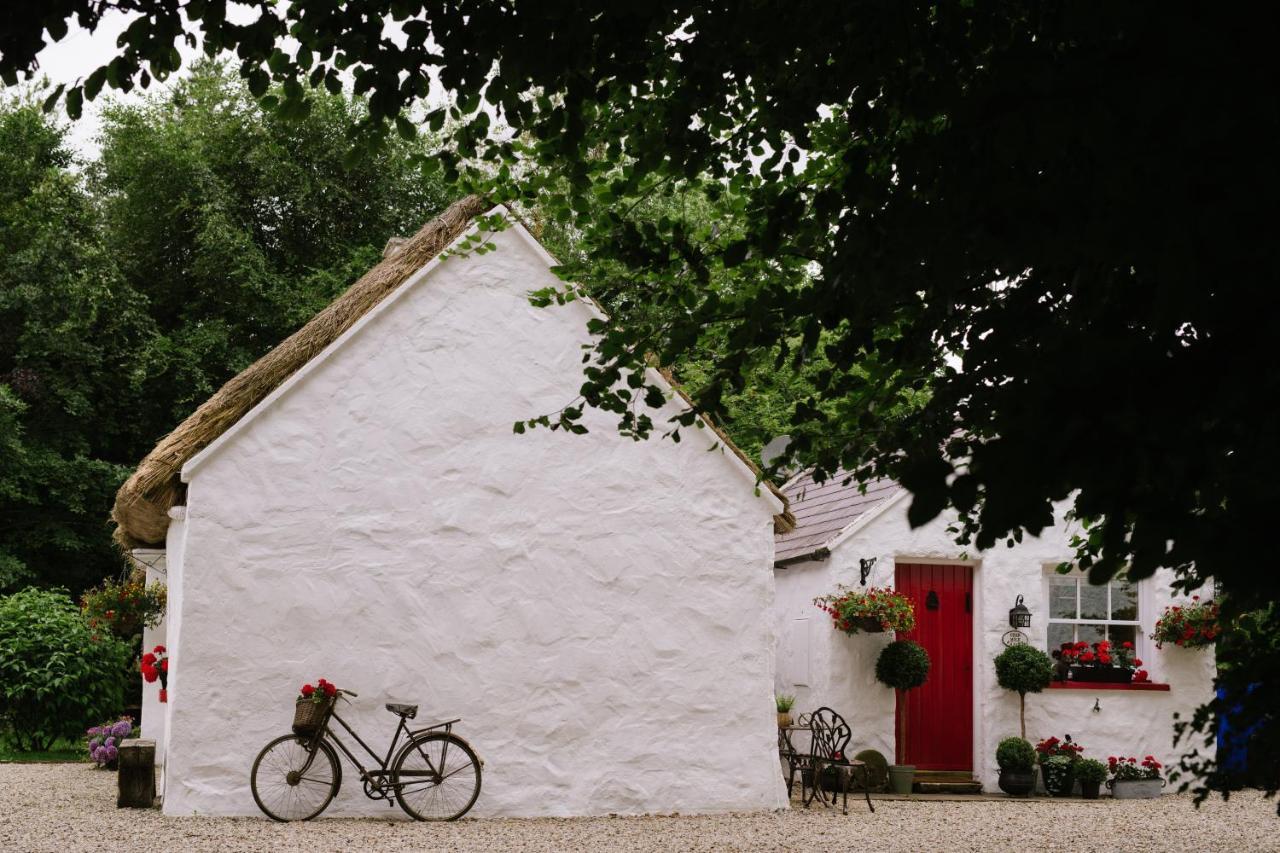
<point>137,774</point>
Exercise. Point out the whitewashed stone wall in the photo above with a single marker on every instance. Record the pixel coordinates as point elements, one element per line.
<point>825,667</point>
<point>153,711</point>
<point>597,610</point>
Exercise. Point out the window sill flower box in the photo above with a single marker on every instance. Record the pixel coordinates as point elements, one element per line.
<point>1103,674</point>
<point>1102,685</point>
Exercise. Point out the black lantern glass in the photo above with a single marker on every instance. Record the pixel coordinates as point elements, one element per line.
<point>1019,615</point>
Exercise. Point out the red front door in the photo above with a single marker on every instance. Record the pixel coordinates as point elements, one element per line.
<point>939,734</point>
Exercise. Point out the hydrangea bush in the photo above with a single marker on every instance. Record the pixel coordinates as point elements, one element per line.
<point>104,740</point>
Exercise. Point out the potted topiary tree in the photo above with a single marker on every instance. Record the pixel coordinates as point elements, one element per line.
<point>1024,670</point>
<point>1017,760</point>
<point>1091,773</point>
<point>902,665</point>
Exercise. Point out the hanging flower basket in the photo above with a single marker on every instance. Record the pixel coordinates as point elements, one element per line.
<point>870,611</point>
<point>1194,626</point>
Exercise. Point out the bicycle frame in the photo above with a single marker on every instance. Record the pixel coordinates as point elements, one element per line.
<point>377,777</point>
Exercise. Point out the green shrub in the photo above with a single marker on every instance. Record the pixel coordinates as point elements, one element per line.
<point>1024,670</point>
<point>902,665</point>
<point>1014,753</point>
<point>56,678</point>
<point>1091,770</point>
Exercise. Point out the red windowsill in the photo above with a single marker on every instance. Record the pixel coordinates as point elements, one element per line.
<point>1103,685</point>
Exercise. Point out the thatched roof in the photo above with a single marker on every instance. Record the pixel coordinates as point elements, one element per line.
<point>141,511</point>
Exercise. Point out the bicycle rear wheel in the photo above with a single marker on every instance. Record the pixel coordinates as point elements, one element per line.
<point>436,777</point>
<point>288,783</point>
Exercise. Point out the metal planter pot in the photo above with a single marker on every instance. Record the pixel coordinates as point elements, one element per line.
<point>901,778</point>
<point>1135,789</point>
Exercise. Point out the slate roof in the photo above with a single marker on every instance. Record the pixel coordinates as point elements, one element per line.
<point>823,510</point>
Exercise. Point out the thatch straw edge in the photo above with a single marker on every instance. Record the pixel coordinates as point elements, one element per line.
<point>141,511</point>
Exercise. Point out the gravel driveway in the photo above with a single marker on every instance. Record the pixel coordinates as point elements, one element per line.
<point>70,807</point>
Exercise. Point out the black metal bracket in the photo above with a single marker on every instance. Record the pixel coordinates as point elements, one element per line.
<point>864,566</point>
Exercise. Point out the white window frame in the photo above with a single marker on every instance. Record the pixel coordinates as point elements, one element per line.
<point>1143,588</point>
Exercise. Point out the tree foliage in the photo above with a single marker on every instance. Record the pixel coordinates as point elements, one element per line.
<point>134,285</point>
<point>56,676</point>
<point>1044,215</point>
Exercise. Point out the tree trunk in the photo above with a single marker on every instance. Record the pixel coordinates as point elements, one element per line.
<point>1022,713</point>
<point>902,726</point>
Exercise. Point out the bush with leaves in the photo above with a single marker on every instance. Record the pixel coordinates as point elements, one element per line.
<point>55,678</point>
<point>1015,753</point>
<point>1024,670</point>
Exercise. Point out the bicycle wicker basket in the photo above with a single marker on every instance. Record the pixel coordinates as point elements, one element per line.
<point>309,715</point>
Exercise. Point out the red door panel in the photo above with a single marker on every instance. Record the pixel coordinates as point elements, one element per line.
<point>940,713</point>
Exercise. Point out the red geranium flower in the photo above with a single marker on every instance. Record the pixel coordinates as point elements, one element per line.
<point>307,690</point>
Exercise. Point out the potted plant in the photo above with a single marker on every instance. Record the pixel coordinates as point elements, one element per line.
<point>1194,626</point>
<point>1017,761</point>
<point>155,666</point>
<point>902,665</point>
<point>1024,670</point>
<point>873,610</point>
<point>1134,780</point>
<point>1090,773</point>
<point>1059,776</point>
<point>784,704</point>
<point>1101,661</point>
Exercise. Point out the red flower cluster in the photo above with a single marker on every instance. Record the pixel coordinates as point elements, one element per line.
<point>155,664</point>
<point>1101,653</point>
<point>1053,746</point>
<point>1193,626</point>
<point>319,692</point>
<point>1130,768</point>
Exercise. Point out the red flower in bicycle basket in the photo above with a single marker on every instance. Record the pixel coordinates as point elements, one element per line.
<point>307,690</point>
<point>329,689</point>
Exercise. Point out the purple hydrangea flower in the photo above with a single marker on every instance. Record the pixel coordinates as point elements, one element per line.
<point>121,729</point>
<point>111,752</point>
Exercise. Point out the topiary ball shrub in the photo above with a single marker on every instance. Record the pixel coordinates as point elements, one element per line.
<point>56,676</point>
<point>1014,753</point>
<point>1091,770</point>
<point>902,665</point>
<point>1024,670</point>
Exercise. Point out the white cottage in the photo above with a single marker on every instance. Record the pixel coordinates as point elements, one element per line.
<point>355,506</point>
<point>962,601</point>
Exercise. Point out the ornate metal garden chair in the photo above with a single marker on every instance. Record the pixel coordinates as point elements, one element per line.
<point>829,737</point>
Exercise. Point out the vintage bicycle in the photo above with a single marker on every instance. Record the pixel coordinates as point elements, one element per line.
<point>433,775</point>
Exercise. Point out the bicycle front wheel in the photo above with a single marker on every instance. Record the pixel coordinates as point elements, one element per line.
<point>290,782</point>
<point>436,777</point>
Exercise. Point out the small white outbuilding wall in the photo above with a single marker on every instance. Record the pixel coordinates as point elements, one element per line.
<point>597,610</point>
<point>822,666</point>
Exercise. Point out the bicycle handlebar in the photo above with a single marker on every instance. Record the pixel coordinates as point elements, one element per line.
<point>347,692</point>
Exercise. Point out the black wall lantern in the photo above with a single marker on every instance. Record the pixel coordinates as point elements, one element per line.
<point>1019,615</point>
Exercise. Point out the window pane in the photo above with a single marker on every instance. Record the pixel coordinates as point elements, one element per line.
<point>1124,601</point>
<point>1093,601</point>
<point>1091,633</point>
<point>1062,598</point>
<point>1122,633</point>
<point>1060,633</point>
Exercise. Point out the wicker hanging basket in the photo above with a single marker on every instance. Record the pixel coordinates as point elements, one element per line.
<point>309,716</point>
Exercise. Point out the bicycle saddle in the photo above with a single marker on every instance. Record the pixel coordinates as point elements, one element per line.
<point>409,711</point>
